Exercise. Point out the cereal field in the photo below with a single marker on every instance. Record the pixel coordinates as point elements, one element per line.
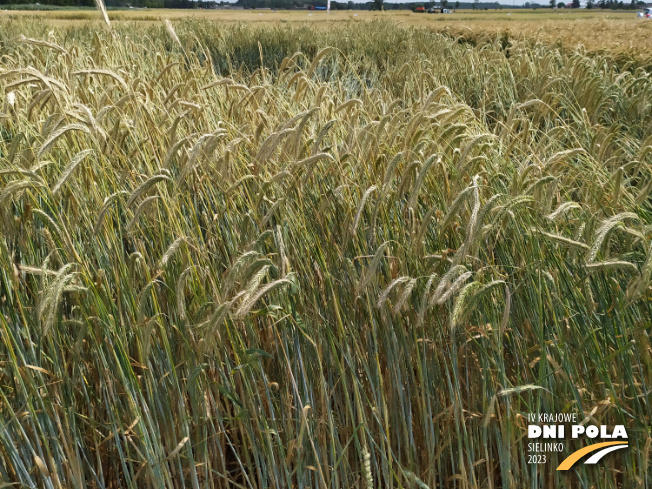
<point>353,252</point>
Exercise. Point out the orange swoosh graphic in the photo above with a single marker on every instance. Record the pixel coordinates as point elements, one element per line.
<point>575,456</point>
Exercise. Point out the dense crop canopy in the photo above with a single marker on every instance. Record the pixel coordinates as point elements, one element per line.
<point>239,257</point>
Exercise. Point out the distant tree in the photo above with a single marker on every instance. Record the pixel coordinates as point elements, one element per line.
<point>575,4</point>
<point>561,5</point>
<point>457,4</point>
<point>589,4</point>
<point>378,4</point>
<point>552,4</point>
<point>476,3</point>
<point>444,3</point>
